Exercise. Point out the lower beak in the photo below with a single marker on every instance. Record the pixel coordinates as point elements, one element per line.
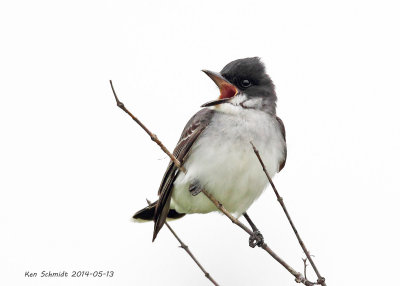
<point>227,90</point>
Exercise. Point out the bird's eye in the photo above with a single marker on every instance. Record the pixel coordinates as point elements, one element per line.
<point>245,83</point>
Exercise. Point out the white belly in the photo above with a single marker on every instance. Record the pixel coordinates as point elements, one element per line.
<point>224,163</point>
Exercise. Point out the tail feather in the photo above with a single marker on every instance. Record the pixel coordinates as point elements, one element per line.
<point>147,214</point>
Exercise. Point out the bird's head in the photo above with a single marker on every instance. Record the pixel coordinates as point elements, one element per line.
<point>244,83</point>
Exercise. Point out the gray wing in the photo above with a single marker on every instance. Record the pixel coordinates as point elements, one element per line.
<point>196,125</point>
<point>283,131</point>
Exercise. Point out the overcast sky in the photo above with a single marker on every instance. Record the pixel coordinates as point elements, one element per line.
<point>74,168</point>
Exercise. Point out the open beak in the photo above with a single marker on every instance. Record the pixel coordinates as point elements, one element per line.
<point>227,90</point>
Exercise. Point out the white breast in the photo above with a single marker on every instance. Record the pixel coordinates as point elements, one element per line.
<point>224,163</point>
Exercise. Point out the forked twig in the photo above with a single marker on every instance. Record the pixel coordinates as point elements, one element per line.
<point>321,280</point>
<point>186,248</point>
<point>299,277</point>
<point>305,267</point>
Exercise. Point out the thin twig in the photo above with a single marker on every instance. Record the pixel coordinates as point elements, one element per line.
<point>321,280</point>
<point>152,135</point>
<point>305,267</point>
<point>305,270</point>
<point>298,276</point>
<point>186,248</point>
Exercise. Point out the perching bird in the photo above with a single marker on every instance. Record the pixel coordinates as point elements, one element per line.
<point>215,149</point>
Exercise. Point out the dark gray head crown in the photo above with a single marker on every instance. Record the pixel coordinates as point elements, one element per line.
<point>252,70</point>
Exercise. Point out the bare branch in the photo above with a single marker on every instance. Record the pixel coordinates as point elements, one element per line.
<point>321,280</point>
<point>186,248</point>
<point>298,276</point>
<point>152,135</point>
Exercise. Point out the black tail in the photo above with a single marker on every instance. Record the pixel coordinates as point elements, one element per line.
<point>147,214</point>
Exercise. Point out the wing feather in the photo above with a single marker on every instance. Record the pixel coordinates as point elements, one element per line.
<point>283,131</point>
<point>193,129</point>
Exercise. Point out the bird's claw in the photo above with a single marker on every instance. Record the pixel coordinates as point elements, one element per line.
<point>256,239</point>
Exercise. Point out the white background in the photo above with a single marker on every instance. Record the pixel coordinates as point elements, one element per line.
<point>74,167</point>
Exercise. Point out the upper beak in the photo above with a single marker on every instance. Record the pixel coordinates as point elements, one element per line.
<point>226,89</point>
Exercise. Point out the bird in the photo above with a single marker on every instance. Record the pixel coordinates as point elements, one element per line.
<point>216,152</point>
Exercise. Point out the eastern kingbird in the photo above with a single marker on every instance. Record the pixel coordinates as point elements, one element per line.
<point>215,149</point>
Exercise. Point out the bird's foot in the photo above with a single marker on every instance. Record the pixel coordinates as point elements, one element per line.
<point>256,239</point>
